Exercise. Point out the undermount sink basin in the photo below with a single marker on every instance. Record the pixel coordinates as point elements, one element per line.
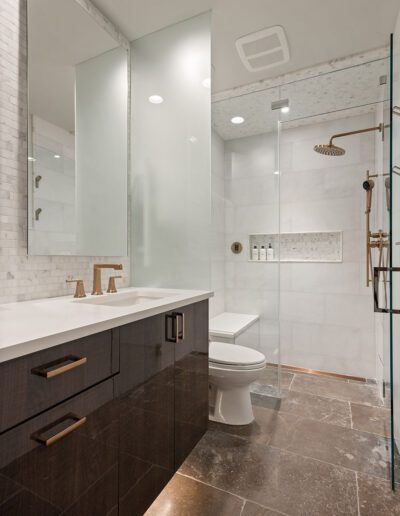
<point>125,298</point>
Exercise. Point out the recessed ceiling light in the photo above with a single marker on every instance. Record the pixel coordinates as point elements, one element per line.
<point>57,156</point>
<point>156,99</point>
<point>237,120</point>
<point>276,172</point>
<point>285,109</point>
<point>30,158</point>
<point>207,82</point>
<point>193,139</point>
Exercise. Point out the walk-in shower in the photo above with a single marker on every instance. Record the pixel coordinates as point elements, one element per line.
<point>314,300</point>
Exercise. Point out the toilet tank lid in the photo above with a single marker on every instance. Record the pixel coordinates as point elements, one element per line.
<point>223,353</point>
<point>229,324</point>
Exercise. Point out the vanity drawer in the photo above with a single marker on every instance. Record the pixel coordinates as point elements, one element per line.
<point>63,461</point>
<point>33,383</point>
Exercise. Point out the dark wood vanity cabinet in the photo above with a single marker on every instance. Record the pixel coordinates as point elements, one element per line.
<point>106,442</point>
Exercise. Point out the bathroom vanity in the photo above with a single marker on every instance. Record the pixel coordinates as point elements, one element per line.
<point>101,399</point>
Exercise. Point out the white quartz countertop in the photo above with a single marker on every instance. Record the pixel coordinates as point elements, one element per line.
<point>31,326</point>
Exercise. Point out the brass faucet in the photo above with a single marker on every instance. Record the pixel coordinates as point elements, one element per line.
<point>96,291</point>
<point>79,289</point>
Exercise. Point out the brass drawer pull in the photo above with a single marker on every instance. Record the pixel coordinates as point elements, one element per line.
<point>47,372</point>
<point>179,332</point>
<point>48,441</point>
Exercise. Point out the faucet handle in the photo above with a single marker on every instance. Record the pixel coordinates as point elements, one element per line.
<point>112,289</point>
<point>79,289</point>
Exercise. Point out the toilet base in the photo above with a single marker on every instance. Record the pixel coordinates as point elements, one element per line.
<point>231,406</point>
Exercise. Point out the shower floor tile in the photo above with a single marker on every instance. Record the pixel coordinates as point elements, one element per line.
<point>376,497</point>
<point>361,393</point>
<point>371,419</point>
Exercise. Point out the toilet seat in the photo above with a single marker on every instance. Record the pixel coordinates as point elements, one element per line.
<point>234,357</point>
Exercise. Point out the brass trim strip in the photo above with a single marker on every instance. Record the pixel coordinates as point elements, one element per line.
<point>79,421</point>
<point>321,373</point>
<point>42,370</point>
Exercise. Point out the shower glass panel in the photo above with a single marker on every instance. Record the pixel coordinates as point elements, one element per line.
<point>334,222</point>
<point>245,174</point>
<point>394,347</point>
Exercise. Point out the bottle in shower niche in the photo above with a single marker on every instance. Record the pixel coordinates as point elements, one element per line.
<point>270,253</point>
<point>263,254</point>
<point>254,254</point>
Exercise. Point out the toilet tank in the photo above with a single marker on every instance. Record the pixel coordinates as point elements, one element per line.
<point>233,328</point>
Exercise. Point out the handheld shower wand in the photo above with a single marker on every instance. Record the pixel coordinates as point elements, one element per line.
<point>387,186</point>
<point>368,186</point>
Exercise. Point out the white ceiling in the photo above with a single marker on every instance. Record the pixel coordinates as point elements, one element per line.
<point>317,30</point>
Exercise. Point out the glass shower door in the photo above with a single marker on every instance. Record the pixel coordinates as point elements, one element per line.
<point>395,253</point>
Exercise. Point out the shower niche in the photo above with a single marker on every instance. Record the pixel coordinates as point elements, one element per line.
<point>310,246</point>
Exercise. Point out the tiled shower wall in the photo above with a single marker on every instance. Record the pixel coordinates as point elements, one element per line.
<point>252,206</point>
<point>325,310</point>
<point>23,277</point>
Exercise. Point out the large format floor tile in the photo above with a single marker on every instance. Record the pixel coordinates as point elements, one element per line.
<point>184,496</point>
<point>253,509</point>
<point>361,393</point>
<point>272,477</point>
<point>319,449</point>
<point>352,449</point>
<point>329,410</point>
<point>376,497</point>
<point>371,419</point>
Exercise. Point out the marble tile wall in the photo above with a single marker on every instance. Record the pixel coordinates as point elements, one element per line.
<point>326,311</point>
<point>252,195</point>
<point>24,277</point>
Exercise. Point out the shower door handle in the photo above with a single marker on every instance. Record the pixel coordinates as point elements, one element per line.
<point>377,271</point>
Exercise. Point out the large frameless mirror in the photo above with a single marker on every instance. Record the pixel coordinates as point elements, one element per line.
<point>78,128</point>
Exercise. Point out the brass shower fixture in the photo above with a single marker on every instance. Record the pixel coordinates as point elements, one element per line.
<point>333,150</point>
<point>375,239</point>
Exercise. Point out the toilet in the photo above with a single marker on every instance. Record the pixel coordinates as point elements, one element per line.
<point>232,368</point>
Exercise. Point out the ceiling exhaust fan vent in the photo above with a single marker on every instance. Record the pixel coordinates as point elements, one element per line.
<point>263,49</point>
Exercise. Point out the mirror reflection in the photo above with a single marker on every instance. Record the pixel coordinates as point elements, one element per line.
<point>78,119</point>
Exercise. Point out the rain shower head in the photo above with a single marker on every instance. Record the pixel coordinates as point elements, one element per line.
<point>329,149</point>
<point>333,150</point>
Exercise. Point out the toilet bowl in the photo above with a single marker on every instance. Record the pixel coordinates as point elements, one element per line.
<point>232,368</point>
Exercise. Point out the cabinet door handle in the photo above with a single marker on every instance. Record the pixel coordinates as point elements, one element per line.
<point>48,441</point>
<point>174,325</point>
<point>180,332</point>
<point>47,372</point>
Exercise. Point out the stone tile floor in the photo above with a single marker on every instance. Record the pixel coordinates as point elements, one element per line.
<point>321,449</point>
